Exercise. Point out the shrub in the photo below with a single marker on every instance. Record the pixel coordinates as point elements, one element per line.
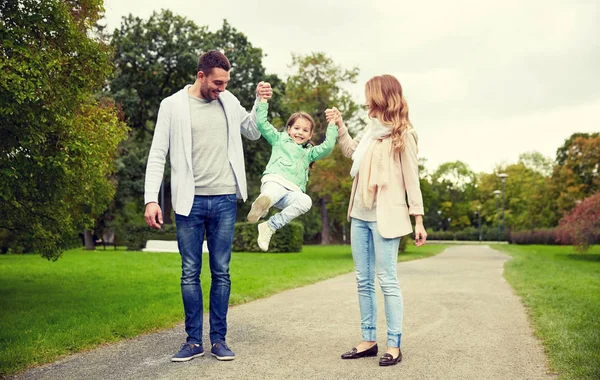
<point>467,234</point>
<point>581,226</point>
<point>546,236</point>
<point>287,239</point>
<point>440,235</point>
<point>405,241</point>
<point>136,235</point>
<point>493,234</point>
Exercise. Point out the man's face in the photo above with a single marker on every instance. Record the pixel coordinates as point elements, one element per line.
<point>300,131</point>
<point>213,84</point>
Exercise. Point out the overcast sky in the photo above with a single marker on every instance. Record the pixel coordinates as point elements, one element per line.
<point>485,80</point>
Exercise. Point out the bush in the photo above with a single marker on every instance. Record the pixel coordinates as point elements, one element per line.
<point>440,235</point>
<point>468,234</point>
<point>136,235</point>
<point>547,236</point>
<point>405,241</point>
<point>581,226</point>
<point>287,239</point>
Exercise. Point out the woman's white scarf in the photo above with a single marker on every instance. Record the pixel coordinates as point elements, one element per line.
<point>374,131</point>
<point>372,160</point>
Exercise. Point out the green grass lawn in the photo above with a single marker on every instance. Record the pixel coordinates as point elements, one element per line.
<point>561,290</point>
<point>49,309</point>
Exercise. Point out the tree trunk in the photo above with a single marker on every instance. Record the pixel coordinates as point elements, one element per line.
<point>88,238</point>
<point>325,223</point>
<point>167,206</point>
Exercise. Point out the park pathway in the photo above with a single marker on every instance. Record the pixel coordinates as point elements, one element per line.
<point>462,321</point>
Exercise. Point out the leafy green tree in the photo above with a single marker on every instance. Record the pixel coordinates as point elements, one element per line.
<point>153,59</point>
<point>527,194</point>
<point>431,218</point>
<point>315,85</point>
<point>58,142</point>
<point>455,187</point>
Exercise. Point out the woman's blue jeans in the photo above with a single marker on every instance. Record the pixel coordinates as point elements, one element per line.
<point>215,216</point>
<point>376,255</point>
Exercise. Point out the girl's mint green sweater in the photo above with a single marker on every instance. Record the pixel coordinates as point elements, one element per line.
<point>288,159</point>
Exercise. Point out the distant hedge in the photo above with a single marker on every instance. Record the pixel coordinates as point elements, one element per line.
<point>469,234</point>
<point>548,236</point>
<point>288,239</point>
<point>136,235</point>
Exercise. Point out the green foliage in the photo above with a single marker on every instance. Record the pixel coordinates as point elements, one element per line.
<point>58,142</point>
<point>404,242</point>
<point>577,173</point>
<point>468,234</point>
<point>287,239</point>
<point>527,196</point>
<point>451,191</point>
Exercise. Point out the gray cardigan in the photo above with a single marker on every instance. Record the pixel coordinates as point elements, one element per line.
<point>173,134</point>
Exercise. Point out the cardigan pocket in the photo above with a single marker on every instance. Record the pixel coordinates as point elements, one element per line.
<point>393,221</point>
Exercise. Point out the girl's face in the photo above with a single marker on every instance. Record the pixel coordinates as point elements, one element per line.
<point>300,131</point>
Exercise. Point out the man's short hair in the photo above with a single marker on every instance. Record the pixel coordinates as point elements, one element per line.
<point>212,59</point>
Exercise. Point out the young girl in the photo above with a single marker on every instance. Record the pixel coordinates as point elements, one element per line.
<point>385,170</point>
<point>284,179</point>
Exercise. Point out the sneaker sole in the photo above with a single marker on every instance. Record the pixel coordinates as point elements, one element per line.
<point>223,358</point>
<point>187,359</point>
<point>259,208</point>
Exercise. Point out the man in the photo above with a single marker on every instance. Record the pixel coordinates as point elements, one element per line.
<point>201,127</point>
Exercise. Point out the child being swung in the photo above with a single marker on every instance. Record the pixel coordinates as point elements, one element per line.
<point>285,177</point>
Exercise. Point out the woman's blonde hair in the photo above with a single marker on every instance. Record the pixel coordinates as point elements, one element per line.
<point>386,102</point>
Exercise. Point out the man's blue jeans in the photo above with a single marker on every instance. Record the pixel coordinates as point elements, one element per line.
<point>376,255</point>
<point>215,216</point>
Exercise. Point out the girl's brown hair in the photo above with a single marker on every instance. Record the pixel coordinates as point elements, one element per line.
<point>386,102</point>
<point>297,115</point>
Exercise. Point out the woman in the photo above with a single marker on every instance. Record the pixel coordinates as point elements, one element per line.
<point>385,170</point>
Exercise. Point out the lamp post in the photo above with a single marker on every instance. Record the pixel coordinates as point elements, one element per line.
<point>478,212</point>
<point>439,212</point>
<point>496,193</point>
<point>502,177</point>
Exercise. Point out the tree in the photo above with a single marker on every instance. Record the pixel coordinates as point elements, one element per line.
<point>581,226</point>
<point>315,86</point>
<point>454,185</point>
<point>576,174</point>
<point>153,59</point>
<point>58,142</point>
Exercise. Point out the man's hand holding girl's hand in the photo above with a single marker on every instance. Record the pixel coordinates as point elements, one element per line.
<point>264,91</point>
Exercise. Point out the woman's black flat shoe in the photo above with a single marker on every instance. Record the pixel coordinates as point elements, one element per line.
<point>353,354</point>
<point>387,359</point>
